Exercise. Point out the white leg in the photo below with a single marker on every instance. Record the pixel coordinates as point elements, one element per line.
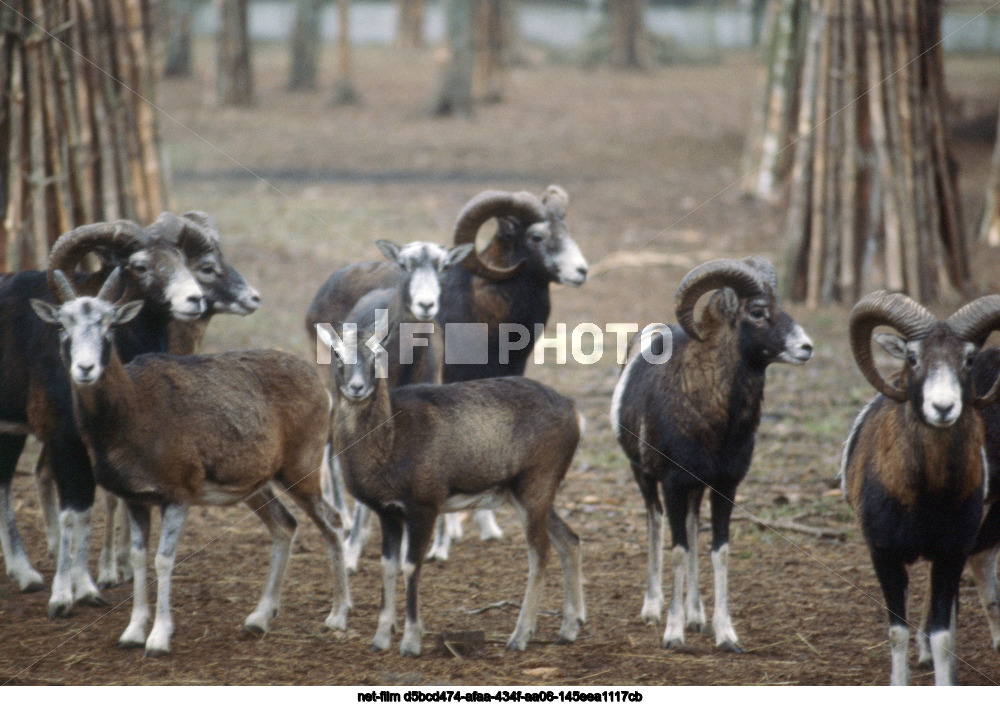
<point>387,616</point>
<point>107,565</point>
<point>331,480</point>
<point>899,639</point>
<point>48,497</point>
<point>486,521</point>
<point>525,626</point>
<point>453,523</point>
<point>413,630</point>
<point>61,602</point>
<point>135,633</point>
<point>282,527</point>
<point>158,642</point>
<point>84,589</point>
<point>943,649</point>
<point>722,624</point>
<point>652,605</point>
<point>15,557</point>
<point>442,538</point>
<point>984,572</point>
<point>694,607</point>
<point>359,535</point>
<point>673,636</point>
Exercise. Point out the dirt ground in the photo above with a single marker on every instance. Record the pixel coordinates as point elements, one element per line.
<point>651,162</point>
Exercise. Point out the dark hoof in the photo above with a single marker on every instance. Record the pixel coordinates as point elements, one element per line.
<point>33,587</point>
<point>254,630</point>
<point>60,611</point>
<point>155,654</point>
<point>673,644</point>
<point>94,601</point>
<point>729,646</point>
<point>122,645</point>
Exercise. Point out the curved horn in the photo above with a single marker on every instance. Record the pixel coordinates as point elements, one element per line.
<point>182,231</point>
<point>974,322</point>
<point>121,237</point>
<point>882,308</point>
<point>735,274</point>
<point>208,225</point>
<point>765,268</point>
<point>525,207</point>
<point>61,288</point>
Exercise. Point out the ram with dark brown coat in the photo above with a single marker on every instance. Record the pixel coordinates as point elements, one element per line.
<point>913,465</point>
<point>687,424</point>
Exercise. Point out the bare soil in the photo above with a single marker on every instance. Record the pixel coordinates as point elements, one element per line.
<point>652,164</point>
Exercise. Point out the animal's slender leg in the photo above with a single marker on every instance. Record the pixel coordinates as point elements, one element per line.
<point>107,564</point>
<point>135,633</point>
<point>567,545</point>
<point>48,497</point>
<point>946,572</point>
<point>419,528</point>
<point>18,565</point>
<point>486,521</point>
<point>282,526</point>
<point>677,504</point>
<point>535,522</point>
<point>652,605</point>
<point>891,573</point>
<point>984,572</point>
<point>694,606</point>
<point>722,622</point>
<point>172,523</point>
<point>392,539</point>
<point>360,530</point>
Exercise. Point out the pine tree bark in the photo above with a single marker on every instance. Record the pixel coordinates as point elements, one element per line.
<point>234,82</point>
<point>79,140</point>
<point>493,39</point>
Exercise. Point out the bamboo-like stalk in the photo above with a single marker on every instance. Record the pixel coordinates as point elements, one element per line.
<point>819,156</point>
<point>989,226</point>
<point>849,221</point>
<point>77,144</point>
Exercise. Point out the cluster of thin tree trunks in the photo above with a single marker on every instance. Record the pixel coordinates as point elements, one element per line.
<point>78,129</point>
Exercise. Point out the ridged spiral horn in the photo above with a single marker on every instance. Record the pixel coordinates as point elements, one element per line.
<point>888,309</point>
<point>739,276</point>
<point>974,322</point>
<point>524,206</point>
<point>123,238</point>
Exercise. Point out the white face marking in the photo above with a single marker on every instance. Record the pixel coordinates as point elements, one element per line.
<point>86,321</point>
<point>426,262</point>
<point>185,296</point>
<point>942,396</point>
<point>568,265</point>
<point>798,347</point>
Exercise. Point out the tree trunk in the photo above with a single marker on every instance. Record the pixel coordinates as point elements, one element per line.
<point>179,15</point>
<point>79,141</point>
<point>344,90</point>
<point>235,71</point>
<point>306,44</point>
<point>628,34</point>
<point>410,29</point>
<point>873,198</point>
<point>493,35</point>
<point>453,93</point>
<point>989,227</point>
